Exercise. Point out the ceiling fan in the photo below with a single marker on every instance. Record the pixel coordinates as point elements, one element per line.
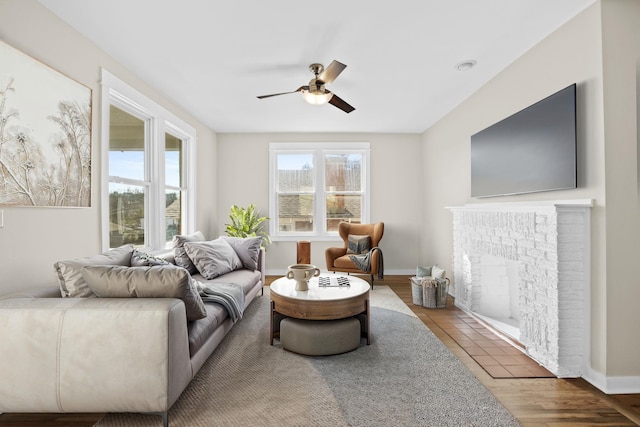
<point>315,93</point>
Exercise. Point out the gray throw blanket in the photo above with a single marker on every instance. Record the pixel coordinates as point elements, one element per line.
<point>363,262</point>
<point>228,295</point>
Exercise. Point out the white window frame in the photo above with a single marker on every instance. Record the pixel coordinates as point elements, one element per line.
<point>158,122</point>
<point>319,150</point>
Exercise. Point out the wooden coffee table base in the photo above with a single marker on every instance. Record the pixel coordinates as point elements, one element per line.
<point>307,306</point>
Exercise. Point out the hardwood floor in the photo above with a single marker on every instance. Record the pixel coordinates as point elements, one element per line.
<point>535,402</point>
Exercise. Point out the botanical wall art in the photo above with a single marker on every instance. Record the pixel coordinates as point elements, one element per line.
<point>45,134</point>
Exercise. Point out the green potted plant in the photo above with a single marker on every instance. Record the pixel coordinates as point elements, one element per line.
<point>247,222</point>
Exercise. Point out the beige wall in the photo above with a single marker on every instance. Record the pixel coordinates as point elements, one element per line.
<point>34,238</point>
<point>621,53</point>
<point>396,176</point>
<point>607,161</point>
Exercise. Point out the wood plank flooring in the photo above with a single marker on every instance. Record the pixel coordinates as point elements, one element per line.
<point>535,402</point>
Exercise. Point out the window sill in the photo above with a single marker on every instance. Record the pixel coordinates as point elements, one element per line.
<point>311,238</point>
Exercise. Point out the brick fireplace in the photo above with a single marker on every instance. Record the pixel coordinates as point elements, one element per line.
<point>528,265</point>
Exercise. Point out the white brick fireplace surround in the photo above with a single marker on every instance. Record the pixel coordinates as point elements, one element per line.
<point>545,248</point>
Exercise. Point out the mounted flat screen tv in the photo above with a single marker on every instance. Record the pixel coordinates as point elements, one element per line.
<point>530,151</point>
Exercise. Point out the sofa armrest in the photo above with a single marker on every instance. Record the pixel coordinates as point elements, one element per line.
<point>92,354</point>
<point>51,291</point>
<point>262,267</point>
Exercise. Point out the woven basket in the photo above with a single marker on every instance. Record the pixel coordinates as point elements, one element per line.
<point>416,290</point>
<point>435,293</point>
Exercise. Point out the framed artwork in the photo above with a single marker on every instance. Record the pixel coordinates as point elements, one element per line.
<point>45,134</point>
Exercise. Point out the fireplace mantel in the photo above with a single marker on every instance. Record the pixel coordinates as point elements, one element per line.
<point>542,205</point>
<point>550,242</point>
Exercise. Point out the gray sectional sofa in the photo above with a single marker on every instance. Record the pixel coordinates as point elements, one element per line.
<point>103,354</point>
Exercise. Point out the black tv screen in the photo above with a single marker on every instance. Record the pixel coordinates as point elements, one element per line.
<point>532,150</point>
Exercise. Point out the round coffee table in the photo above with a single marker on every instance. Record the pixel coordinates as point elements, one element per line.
<point>319,302</point>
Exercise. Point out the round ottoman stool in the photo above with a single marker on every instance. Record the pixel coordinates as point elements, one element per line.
<point>320,337</point>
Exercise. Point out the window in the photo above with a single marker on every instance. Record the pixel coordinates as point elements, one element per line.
<point>315,186</point>
<point>148,170</point>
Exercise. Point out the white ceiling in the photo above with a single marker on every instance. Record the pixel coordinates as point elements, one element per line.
<point>213,57</point>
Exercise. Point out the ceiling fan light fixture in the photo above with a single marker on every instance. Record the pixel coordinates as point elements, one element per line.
<point>315,93</point>
<point>317,98</point>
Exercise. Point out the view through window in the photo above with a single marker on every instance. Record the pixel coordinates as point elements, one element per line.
<point>316,186</point>
<point>173,157</point>
<point>148,171</point>
<point>127,188</point>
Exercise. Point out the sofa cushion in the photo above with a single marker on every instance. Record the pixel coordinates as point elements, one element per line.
<point>69,273</point>
<point>243,277</point>
<point>201,330</point>
<point>180,255</point>
<point>164,281</point>
<point>141,259</point>
<point>213,258</point>
<point>357,244</point>
<point>247,248</point>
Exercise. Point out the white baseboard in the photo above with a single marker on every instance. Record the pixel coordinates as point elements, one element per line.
<point>613,385</point>
<point>400,272</point>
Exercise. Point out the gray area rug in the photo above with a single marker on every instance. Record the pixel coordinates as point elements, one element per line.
<point>406,377</point>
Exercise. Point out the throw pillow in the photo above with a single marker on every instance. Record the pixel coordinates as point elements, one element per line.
<point>181,257</point>
<point>69,273</point>
<point>141,259</point>
<point>437,272</point>
<point>248,250</point>
<point>164,281</point>
<point>213,258</point>
<point>357,244</point>
<point>423,271</point>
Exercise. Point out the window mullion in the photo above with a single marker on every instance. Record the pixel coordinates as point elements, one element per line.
<point>158,185</point>
<point>321,210</point>
<point>121,180</point>
<point>150,176</point>
<point>365,180</point>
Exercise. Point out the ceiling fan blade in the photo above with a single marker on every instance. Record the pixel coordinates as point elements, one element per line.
<point>340,103</point>
<point>283,93</point>
<point>332,71</point>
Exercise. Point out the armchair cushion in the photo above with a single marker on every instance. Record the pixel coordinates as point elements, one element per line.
<point>357,244</point>
<point>344,262</point>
